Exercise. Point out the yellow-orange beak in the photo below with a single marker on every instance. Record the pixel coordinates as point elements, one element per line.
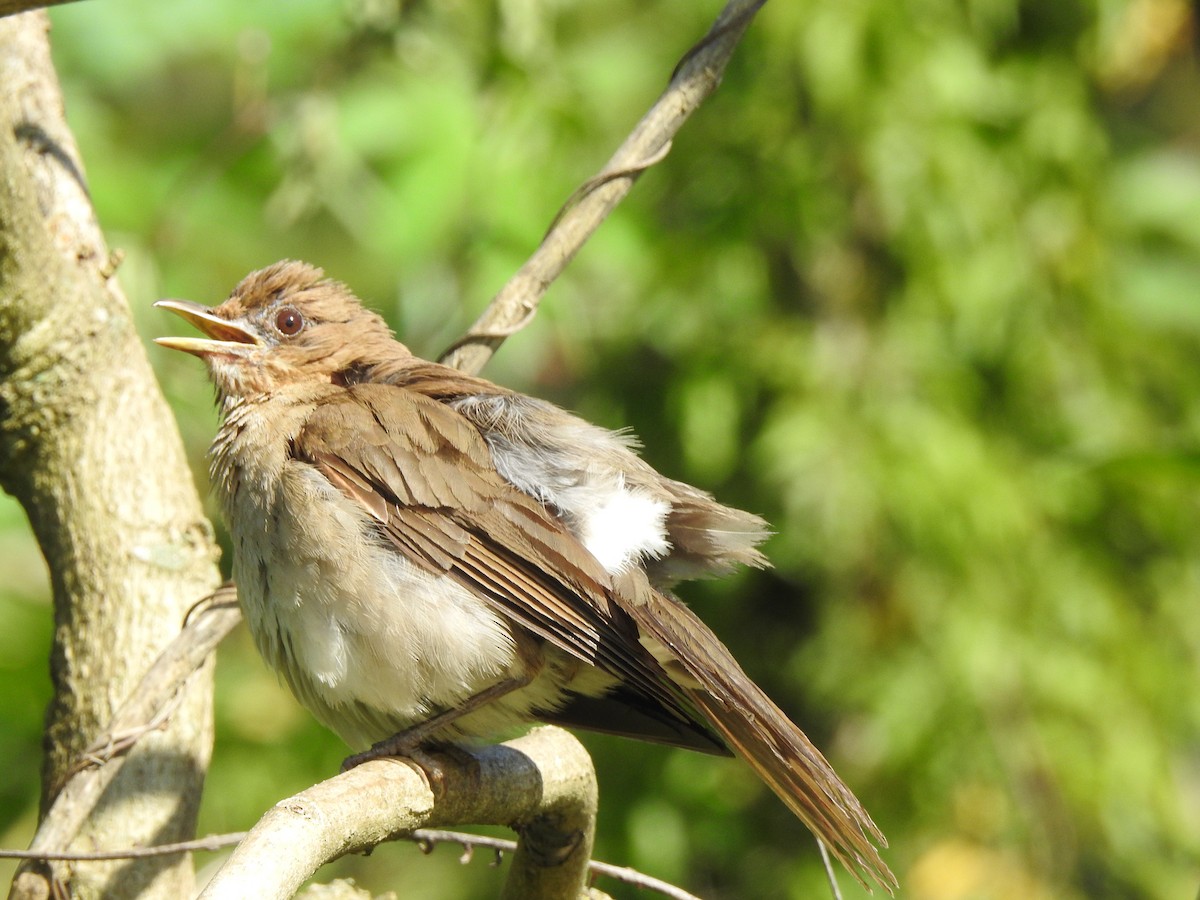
<point>224,337</point>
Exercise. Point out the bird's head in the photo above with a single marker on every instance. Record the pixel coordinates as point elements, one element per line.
<point>281,325</point>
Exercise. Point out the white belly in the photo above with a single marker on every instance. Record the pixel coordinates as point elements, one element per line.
<point>370,642</point>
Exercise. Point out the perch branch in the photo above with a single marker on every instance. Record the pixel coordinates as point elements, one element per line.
<point>541,784</point>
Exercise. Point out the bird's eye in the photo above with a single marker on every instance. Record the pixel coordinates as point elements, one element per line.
<point>289,321</point>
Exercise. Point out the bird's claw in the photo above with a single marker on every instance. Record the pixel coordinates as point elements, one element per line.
<point>397,747</point>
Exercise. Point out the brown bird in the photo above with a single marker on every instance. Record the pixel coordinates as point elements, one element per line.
<point>426,557</point>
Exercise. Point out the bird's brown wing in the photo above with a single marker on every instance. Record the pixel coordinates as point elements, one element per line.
<point>425,475</point>
<point>706,538</point>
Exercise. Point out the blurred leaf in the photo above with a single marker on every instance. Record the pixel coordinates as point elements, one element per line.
<point>918,283</point>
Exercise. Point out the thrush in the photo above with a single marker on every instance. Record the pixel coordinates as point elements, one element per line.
<point>429,558</point>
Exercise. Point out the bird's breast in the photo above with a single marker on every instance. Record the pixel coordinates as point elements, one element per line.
<point>367,640</point>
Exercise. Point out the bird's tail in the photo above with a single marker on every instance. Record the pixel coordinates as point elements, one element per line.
<point>761,734</point>
<point>797,772</point>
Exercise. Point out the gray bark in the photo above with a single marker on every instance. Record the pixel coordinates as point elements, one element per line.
<point>90,449</point>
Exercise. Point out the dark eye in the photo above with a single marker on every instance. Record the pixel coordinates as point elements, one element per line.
<point>289,321</point>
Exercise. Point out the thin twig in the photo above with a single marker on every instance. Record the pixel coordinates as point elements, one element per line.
<point>625,875</point>
<point>211,843</point>
<point>429,837</point>
<point>696,76</point>
<point>830,875</point>
<point>114,743</point>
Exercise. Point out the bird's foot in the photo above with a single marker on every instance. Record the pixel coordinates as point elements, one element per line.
<point>405,744</point>
<point>402,747</point>
<point>408,743</point>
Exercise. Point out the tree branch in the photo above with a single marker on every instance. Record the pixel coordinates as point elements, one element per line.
<point>425,838</point>
<point>431,836</point>
<point>149,706</point>
<point>696,76</point>
<point>542,785</point>
<point>80,417</point>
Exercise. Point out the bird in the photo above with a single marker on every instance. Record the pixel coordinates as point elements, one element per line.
<point>430,559</point>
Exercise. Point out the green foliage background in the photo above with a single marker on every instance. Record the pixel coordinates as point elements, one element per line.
<point>919,284</point>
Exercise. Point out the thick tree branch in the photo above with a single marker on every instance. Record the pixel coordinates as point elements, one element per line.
<point>91,451</point>
<point>695,78</point>
<point>541,784</point>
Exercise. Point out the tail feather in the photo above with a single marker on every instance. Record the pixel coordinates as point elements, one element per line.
<point>761,734</point>
<point>707,538</point>
<point>796,771</point>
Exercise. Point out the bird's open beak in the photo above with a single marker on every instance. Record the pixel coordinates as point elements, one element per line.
<point>224,337</point>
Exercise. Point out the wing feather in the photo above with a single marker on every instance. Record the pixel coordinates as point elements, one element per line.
<point>423,472</point>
